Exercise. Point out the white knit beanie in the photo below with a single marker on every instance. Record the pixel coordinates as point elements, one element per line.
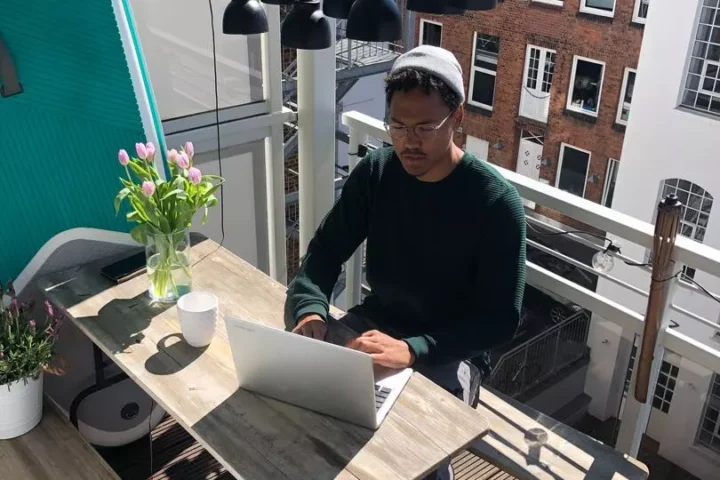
<point>436,61</point>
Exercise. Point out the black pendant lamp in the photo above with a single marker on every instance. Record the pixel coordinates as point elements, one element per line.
<point>473,4</point>
<point>306,27</point>
<point>374,21</point>
<point>434,7</point>
<point>244,17</point>
<point>279,2</point>
<point>337,8</point>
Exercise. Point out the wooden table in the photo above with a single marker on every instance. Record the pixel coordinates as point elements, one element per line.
<point>53,450</point>
<point>252,436</point>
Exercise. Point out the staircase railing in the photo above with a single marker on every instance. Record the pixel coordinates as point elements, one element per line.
<point>541,357</point>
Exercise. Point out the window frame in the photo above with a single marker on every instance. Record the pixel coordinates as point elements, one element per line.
<point>662,388</point>
<point>623,91</point>
<point>711,401</point>
<point>542,60</point>
<point>571,89</point>
<point>424,21</point>
<point>563,146</point>
<point>611,171</point>
<point>636,13</point>
<point>555,3</point>
<point>474,69</point>
<point>597,11</point>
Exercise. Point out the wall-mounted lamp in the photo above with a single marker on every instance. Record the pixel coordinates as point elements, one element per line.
<point>499,145</point>
<point>593,179</point>
<point>8,75</point>
<point>545,162</point>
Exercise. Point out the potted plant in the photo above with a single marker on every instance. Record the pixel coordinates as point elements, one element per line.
<point>164,211</point>
<point>27,346</point>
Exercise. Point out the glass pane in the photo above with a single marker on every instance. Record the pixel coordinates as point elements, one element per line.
<point>178,54</point>
<point>715,103</point>
<point>484,88</point>
<point>699,49</point>
<point>713,52</point>
<point>703,33</point>
<point>664,367</point>
<point>696,65</point>
<point>707,205</point>
<point>711,3</point>
<point>707,15</point>
<point>703,220</point>
<point>605,5</point>
<point>657,403</point>
<point>630,87</point>
<point>574,170</point>
<point>715,36</point>
<point>703,101</point>
<point>684,185</point>
<point>689,98</point>
<point>700,235</point>
<point>431,34</point>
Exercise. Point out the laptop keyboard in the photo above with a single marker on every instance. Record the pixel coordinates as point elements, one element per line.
<point>381,394</point>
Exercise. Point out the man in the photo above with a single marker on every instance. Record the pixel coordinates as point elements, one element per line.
<point>445,239</point>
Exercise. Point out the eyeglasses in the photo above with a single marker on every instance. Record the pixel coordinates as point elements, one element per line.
<point>421,131</point>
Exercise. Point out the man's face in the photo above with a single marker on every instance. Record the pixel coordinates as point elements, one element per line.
<point>421,145</point>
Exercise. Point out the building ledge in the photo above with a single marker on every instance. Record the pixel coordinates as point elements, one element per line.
<point>478,110</point>
<point>583,117</point>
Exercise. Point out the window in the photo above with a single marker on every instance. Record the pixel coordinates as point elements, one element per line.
<point>610,179</point>
<point>605,8</point>
<point>702,85</point>
<point>709,429</point>
<point>573,169</point>
<point>641,11</point>
<point>697,204</point>
<point>586,86</point>
<point>482,77</point>
<point>430,33</point>
<point>539,72</point>
<point>665,387</point>
<point>477,147</point>
<point>628,86</point>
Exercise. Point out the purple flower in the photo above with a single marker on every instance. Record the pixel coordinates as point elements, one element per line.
<point>183,161</point>
<point>32,323</point>
<point>123,157</point>
<point>195,176</point>
<point>189,149</point>
<point>141,150</point>
<point>172,156</point>
<point>49,309</point>
<point>148,188</point>
<point>14,304</point>
<point>150,150</point>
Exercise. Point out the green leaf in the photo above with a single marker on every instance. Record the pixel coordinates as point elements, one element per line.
<point>211,201</point>
<point>119,198</point>
<point>139,234</point>
<point>205,216</point>
<point>177,192</point>
<point>139,171</point>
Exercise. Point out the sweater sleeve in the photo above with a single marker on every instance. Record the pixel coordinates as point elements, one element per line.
<point>499,287</point>
<point>338,237</point>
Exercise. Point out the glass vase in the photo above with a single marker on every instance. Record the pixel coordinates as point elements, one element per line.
<point>169,264</point>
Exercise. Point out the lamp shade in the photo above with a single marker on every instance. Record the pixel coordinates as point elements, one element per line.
<point>473,4</point>
<point>337,8</point>
<point>374,21</point>
<point>433,6</point>
<point>306,27</point>
<point>279,2</point>
<point>244,17</point>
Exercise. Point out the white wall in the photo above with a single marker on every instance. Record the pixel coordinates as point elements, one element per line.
<point>662,142</point>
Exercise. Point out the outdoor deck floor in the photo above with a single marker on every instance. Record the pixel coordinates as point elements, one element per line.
<point>177,456</point>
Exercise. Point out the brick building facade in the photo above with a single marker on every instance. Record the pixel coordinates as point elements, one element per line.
<point>532,47</point>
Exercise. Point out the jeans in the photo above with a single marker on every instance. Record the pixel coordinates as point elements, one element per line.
<point>461,378</point>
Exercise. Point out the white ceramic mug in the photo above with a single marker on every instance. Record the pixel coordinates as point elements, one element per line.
<point>198,315</point>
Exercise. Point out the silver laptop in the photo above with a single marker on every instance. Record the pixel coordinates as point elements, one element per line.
<point>312,374</point>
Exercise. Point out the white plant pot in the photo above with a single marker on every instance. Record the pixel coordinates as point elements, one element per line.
<point>21,406</point>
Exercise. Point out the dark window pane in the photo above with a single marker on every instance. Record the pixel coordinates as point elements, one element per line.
<point>712,70</point>
<point>574,170</point>
<point>484,88</point>
<point>707,205</point>
<point>699,49</point>
<point>696,65</point>
<point>665,407</point>
<point>703,101</point>
<point>708,425</point>
<point>710,3</point>
<point>686,230</point>
<point>604,5</point>
<point>712,414</point>
<point>689,98</point>
<point>709,84</point>
<point>586,89</point>
<point>715,103</point>
<point>671,385</point>
<point>657,402</point>
<point>697,190</point>
<point>691,215</point>
<point>707,15</point>
<point>703,220</point>
<point>703,33</point>
<point>700,235</point>
<point>431,34</point>
<point>685,185</point>
<point>693,82</point>
<point>665,367</point>
<point>713,53</point>
<point>682,196</point>
<point>705,437</point>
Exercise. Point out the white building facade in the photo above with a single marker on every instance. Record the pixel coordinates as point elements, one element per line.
<point>672,145</point>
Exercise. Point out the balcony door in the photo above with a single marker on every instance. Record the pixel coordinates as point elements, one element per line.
<point>539,71</point>
<point>529,158</point>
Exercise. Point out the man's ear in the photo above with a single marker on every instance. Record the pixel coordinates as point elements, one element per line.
<point>459,117</point>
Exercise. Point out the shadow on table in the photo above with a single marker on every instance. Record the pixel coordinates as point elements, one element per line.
<point>180,352</point>
<point>274,439</point>
<point>607,463</point>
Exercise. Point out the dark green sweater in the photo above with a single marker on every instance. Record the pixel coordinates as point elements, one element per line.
<point>445,260</point>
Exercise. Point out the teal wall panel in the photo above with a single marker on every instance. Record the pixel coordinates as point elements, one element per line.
<point>59,139</point>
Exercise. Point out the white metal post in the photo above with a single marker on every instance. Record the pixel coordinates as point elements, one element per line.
<point>643,417</point>
<point>274,146</point>
<point>353,270</point>
<point>316,137</point>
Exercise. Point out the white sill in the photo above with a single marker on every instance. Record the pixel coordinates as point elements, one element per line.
<point>581,110</point>
<point>705,453</point>
<point>480,105</point>
<point>639,21</point>
<point>555,3</point>
<point>624,123</point>
<point>597,11</point>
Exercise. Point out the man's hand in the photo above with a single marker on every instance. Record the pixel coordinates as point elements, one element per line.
<point>312,326</point>
<point>384,350</point>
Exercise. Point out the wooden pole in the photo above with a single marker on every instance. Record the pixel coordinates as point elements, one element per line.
<point>666,228</point>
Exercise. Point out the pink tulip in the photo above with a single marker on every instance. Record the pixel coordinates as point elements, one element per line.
<point>148,188</point>
<point>2,355</point>
<point>189,149</point>
<point>195,176</point>
<point>183,161</point>
<point>32,323</point>
<point>49,309</point>
<point>172,156</point>
<point>141,150</point>
<point>123,157</point>
<point>150,150</point>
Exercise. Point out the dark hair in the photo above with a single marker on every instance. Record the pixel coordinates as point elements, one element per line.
<point>412,78</point>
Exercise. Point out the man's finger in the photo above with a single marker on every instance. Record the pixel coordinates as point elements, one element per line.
<point>368,347</point>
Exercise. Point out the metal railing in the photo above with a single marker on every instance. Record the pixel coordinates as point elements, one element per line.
<point>540,358</point>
